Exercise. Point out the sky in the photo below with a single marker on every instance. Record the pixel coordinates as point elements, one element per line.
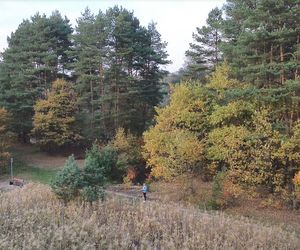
<point>176,19</point>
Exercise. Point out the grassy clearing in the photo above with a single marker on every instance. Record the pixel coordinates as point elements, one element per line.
<point>32,218</point>
<point>29,173</point>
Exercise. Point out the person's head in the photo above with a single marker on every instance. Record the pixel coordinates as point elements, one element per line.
<point>144,184</point>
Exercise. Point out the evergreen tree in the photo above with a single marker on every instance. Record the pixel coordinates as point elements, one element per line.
<point>36,55</point>
<point>68,181</point>
<point>205,54</point>
<point>118,72</point>
<point>90,41</point>
<point>263,49</point>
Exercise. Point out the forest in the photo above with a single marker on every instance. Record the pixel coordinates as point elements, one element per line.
<point>230,115</point>
<point>221,133</point>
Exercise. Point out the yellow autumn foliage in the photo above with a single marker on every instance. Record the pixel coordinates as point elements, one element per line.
<point>172,146</point>
<point>6,137</point>
<point>54,118</point>
<point>220,80</point>
<point>214,127</point>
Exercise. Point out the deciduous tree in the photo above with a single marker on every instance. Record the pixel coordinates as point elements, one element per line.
<point>54,118</point>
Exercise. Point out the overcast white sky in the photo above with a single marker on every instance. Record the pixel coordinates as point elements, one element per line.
<point>176,19</point>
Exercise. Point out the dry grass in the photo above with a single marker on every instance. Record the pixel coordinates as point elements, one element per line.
<point>193,191</point>
<point>31,218</point>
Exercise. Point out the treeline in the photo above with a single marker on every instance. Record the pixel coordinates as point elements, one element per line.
<point>240,125</point>
<point>64,86</point>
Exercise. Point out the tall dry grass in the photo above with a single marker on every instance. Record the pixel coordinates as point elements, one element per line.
<point>31,218</point>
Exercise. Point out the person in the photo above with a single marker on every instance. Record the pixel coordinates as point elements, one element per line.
<point>144,190</point>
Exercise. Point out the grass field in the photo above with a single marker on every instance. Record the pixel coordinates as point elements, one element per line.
<point>32,165</point>
<point>32,218</point>
<point>29,173</point>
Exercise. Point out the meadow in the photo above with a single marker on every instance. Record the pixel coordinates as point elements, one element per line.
<point>32,218</point>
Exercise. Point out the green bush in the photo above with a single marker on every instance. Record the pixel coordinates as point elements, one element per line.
<point>95,169</point>
<point>68,181</point>
<point>100,165</point>
<point>217,187</point>
<point>91,194</point>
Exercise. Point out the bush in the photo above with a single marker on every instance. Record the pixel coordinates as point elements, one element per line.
<point>224,192</point>
<point>95,169</point>
<point>131,164</point>
<point>296,182</point>
<point>108,159</point>
<point>68,181</point>
<point>91,194</point>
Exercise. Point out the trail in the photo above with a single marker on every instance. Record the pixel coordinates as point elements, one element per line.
<point>4,186</point>
<point>135,196</point>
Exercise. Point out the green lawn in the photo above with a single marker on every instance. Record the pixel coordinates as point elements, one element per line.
<point>29,173</point>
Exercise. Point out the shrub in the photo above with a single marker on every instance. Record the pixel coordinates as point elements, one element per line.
<point>108,159</point>
<point>90,193</point>
<point>95,169</point>
<point>296,181</point>
<point>68,181</point>
<point>130,160</point>
<point>224,192</point>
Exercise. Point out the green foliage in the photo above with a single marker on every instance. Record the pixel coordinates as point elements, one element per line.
<point>68,181</point>
<point>217,188</point>
<point>100,165</point>
<point>97,167</point>
<point>205,53</point>
<point>92,193</point>
<point>35,57</point>
<point>54,117</point>
<point>261,40</point>
<point>71,182</point>
<point>113,61</point>
<point>118,72</point>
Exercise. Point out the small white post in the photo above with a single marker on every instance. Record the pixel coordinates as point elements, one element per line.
<point>11,168</point>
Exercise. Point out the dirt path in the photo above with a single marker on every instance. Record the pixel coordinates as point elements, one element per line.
<point>4,186</point>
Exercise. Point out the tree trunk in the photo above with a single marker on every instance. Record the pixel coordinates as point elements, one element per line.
<point>281,62</point>
<point>296,71</point>
<point>92,103</point>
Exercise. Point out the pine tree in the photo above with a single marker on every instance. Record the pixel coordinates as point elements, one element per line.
<point>205,54</point>
<point>263,49</point>
<point>118,72</point>
<point>90,42</point>
<point>36,55</point>
<point>68,181</point>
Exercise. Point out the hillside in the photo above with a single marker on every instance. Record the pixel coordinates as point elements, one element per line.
<point>32,218</point>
